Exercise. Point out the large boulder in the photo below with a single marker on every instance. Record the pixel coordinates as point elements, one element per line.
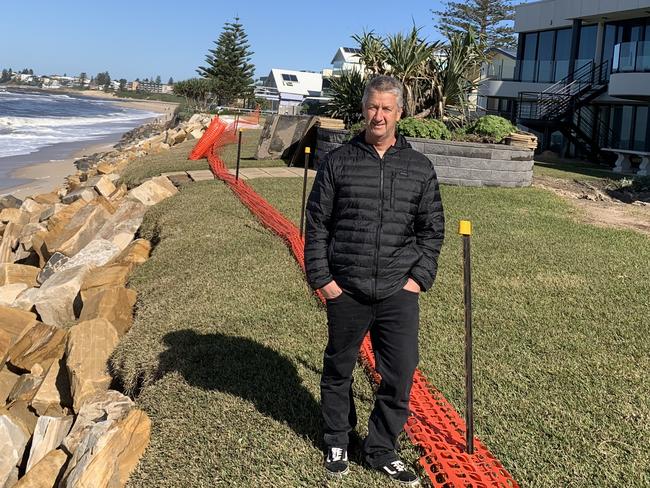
<point>97,414</point>
<point>54,264</point>
<point>135,254</point>
<point>26,299</point>
<point>9,293</point>
<point>102,185</point>
<point>10,201</point>
<point>114,304</point>
<point>79,231</point>
<point>90,344</point>
<point>13,440</point>
<point>9,241</point>
<point>15,215</point>
<point>48,435</point>
<point>8,380</point>
<point>56,299</point>
<point>153,191</point>
<point>121,227</point>
<point>97,253</point>
<point>25,388</point>
<point>83,193</point>
<point>40,346</point>
<point>13,324</point>
<point>105,457</point>
<point>18,273</point>
<point>104,277</point>
<point>53,395</point>
<point>44,473</point>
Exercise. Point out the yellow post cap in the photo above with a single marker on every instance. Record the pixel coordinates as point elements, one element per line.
<point>465,228</point>
<point>307,150</point>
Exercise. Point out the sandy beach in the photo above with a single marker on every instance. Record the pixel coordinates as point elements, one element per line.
<point>45,170</point>
<point>47,176</point>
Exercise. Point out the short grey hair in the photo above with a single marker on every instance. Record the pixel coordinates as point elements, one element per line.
<point>384,83</point>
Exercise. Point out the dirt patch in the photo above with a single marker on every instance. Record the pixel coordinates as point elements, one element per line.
<point>600,203</point>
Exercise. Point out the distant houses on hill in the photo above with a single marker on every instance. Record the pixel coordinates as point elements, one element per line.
<point>54,82</point>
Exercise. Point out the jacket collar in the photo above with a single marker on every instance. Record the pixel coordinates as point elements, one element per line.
<point>360,141</point>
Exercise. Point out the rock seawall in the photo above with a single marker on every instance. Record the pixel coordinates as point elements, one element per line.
<point>65,259</point>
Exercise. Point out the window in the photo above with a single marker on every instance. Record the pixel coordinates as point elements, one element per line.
<point>640,129</point>
<point>562,54</point>
<point>529,57</point>
<point>287,77</point>
<point>545,56</point>
<point>586,46</point>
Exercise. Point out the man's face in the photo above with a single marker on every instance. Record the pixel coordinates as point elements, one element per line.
<point>381,113</point>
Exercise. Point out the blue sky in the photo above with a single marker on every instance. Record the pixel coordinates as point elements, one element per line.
<point>149,38</point>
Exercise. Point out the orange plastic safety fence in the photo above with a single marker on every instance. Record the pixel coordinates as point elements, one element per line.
<point>433,425</point>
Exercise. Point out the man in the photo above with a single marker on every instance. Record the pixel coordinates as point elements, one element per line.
<point>375,226</point>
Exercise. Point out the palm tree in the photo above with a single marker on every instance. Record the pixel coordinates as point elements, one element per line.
<point>373,53</point>
<point>347,92</point>
<point>408,56</point>
<point>453,76</point>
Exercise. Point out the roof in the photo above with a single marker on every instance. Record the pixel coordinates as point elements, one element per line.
<point>511,53</point>
<point>296,82</point>
<point>347,55</point>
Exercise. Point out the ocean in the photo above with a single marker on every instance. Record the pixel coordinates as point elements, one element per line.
<point>34,124</point>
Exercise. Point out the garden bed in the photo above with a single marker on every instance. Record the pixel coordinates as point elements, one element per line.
<point>461,163</point>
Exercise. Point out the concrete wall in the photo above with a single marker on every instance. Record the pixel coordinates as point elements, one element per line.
<point>460,163</point>
<point>633,85</point>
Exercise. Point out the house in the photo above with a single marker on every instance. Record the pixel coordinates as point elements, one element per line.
<point>346,59</point>
<point>288,90</point>
<point>582,76</point>
<point>500,66</point>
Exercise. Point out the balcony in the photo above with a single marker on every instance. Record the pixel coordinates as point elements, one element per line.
<point>630,78</point>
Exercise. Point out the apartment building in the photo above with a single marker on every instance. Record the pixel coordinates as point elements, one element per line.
<point>581,79</point>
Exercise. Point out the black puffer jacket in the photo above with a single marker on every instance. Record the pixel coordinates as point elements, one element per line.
<point>374,222</point>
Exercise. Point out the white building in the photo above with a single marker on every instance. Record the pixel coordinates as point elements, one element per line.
<point>582,75</point>
<point>287,90</point>
<point>346,59</point>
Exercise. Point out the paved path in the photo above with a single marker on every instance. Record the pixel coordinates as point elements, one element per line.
<point>247,173</point>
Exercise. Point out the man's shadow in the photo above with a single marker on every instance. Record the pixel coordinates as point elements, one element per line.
<point>247,369</point>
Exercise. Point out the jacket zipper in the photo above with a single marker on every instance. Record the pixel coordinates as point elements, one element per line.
<point>392,189</point>
<point>378,239</point>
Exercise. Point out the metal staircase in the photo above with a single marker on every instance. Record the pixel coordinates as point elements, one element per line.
<point>564,106</point>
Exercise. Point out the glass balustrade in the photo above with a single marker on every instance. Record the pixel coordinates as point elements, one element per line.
<point>631,57</point>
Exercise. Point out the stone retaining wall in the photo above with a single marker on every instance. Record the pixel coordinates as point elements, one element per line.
<point>461,163</point>
<point>477,164</point>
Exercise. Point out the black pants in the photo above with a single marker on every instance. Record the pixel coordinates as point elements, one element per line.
<point>393,324</point>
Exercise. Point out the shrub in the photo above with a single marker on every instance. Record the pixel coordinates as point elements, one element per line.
<point>492,127</point>
<point>355,129</point>
<point>425,128</point>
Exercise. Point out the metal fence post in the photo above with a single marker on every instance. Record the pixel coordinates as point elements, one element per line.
<point>304,190</point>
<point>465,230</point>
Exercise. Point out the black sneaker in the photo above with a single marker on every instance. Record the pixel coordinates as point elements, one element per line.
<point>336,462</point>
<point>398,471</point>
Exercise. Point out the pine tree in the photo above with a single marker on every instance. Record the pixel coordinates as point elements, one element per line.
<point>170,81</point>
<point>229,64</point>
<point>491,20</point>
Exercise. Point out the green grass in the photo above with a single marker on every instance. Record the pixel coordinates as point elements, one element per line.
<point>175,159</point>
<point>561,335</point>
<point>225,352</point>
<point>227,348</point>
<point>575,170</point>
